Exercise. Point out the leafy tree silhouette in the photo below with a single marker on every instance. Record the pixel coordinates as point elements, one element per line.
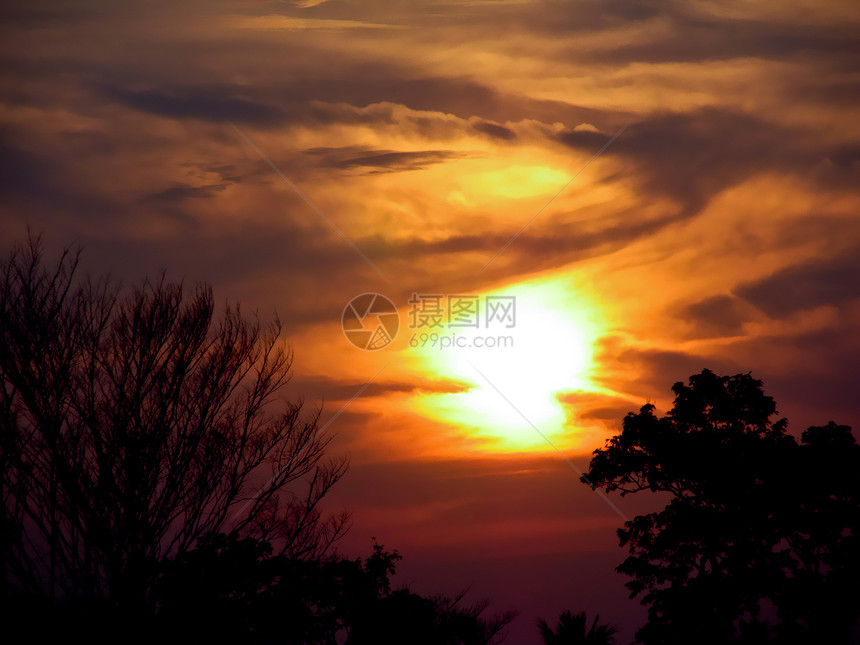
<point>573,629</point>
<point>759,539</point>
<point>406,617</point>
<point>236,589</point>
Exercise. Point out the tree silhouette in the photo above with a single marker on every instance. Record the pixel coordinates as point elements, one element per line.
<point>135,427</point>
<point>403,616</point>
<point>573,629</point>
<point>759,539</point>
<point>235,589</point>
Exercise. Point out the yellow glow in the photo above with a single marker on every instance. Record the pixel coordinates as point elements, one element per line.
<point>551,353</point>
<point>517,182</point>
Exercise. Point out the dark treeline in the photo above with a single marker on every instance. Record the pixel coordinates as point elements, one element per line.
<point>157,485</point>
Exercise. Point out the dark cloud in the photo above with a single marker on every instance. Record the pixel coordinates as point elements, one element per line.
<point>667,367</point>
<point>825,281</point>
<point>838,167</point>
<point>380,160</point>
<point>721,315</point>
<point>613,414</point>
<point>181,192</point>
<point>691,156</point>
<point>695,32</point>
<point>549,19</point>
<point>598,406</point>
<point>226,172</point>
<point>38,185</point>
<point>204,103</point>
<point>543,246</point>
<point>812,376</point>
<point>563,242</point>
<point>583,139</point>
<point>654,371</point>
<point>331,389</point>
<point>299,258</point>
<point>847,157</point>
<point>461,97</point>
<point>22,173</point>
<point>814,379</point>
<point>38,15</point>
<point>701,39</point>
<point>494,130</point>
<point>335,100</point>
<point>838,88</point>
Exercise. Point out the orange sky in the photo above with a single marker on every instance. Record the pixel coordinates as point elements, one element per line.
<point>720,229</point>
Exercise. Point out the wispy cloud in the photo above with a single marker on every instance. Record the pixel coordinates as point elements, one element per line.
<point>275,22</point>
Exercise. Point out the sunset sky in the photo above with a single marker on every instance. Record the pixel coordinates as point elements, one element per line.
<point>659,186</point>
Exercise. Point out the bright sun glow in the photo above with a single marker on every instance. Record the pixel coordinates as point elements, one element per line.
<point>551,353</point>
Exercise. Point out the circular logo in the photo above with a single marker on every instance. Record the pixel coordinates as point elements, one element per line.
<point>370,321</point>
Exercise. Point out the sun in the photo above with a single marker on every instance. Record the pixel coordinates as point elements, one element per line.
<point>515,373</point>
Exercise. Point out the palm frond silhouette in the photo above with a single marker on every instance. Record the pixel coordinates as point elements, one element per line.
<point>573,629</point>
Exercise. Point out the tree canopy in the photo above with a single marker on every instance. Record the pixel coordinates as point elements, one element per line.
<point>759,539</point>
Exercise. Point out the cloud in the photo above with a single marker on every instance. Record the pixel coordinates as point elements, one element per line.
<point>651,372</point>
<point>597,406</point>
<point>210,103</point>
<point>181,192</point>
<point>813,375</point>
<point>40,186</point>
<point>333,389</point>
<point>290,23</point>
<point>380,160</point>
<point>538,248</point>
<point>307,4</point>
<point>706,38</point>
<point>495,130</point>
<point>664,31</point>
<point>691,157</point>
<point>825,281</point>
<point>717,315</point>
<point>613,413</point>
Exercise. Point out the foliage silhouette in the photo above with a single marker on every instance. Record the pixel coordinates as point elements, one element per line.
<point>573,629</point>
<point>236,589</point>
<point>759,539</point>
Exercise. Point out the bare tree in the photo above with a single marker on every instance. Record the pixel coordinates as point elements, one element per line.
<point>135,426</point>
